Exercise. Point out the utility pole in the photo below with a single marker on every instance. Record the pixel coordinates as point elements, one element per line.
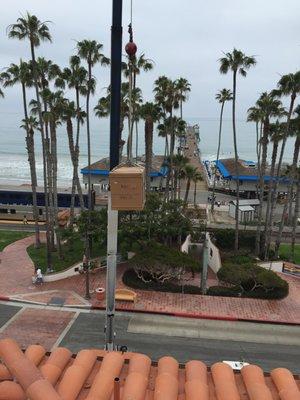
<point>112,215</point>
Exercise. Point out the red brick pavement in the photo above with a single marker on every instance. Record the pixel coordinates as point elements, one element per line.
<point>16,271</point>
<point>48,325</point>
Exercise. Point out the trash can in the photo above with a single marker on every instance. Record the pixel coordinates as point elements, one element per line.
<point>100,293</point>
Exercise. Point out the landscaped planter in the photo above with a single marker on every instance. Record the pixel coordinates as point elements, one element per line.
<point>100,293</point>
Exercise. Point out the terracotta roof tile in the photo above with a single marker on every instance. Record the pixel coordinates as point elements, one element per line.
<point>90,375</point>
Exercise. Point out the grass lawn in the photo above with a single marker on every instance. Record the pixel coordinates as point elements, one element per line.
<point>71,256</point>
<point>8,237</point>
<point>285,249</point>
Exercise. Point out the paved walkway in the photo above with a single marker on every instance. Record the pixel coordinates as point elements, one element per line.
<point>17,269</point>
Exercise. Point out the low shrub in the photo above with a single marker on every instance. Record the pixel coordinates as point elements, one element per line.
<point>254,281</point>
<point>225,239</point>
<point>240,259</point>
<point>160,263</point>
<point>131,279</point>
<point>224,291</point>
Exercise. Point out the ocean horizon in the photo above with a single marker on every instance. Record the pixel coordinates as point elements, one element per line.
<point>14,168</point>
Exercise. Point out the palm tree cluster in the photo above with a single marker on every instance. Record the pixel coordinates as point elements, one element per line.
<point>274,125</point>
<point>50,108</point>
<point>169,97</point>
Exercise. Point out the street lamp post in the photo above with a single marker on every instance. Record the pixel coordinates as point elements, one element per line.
<point>204,264</point>
<point>112,215</point>
<point>86,267</point>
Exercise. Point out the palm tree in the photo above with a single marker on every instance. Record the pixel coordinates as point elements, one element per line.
<point>30,125</point>
<point>294,132</point>
<point>179,163</point>
<point>48,71</point>
<point>267,107</point>
<point>167,96</point>
<point>22,74</point>
<point>293,175</point>
<point>90,50</point>
<point>132,68</point>
<point>138,64</point>
<point>53,102</point>
<point>296,213</point>
<point>76,77</point>
<point>276,135</point>
<point>183,87</point>
<point>68,110</point>
<point>189,173</point>
<point>288,85</point>
<point>150,112</point>
<point>222,96</point>
<point>30,28</point>
<point>238,63</point>
<point>255,115</point>
<point>102,109</point>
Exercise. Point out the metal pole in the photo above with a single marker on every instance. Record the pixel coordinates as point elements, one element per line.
<point>115,81</point>
<point>204,265</point>
<point>112,216</point>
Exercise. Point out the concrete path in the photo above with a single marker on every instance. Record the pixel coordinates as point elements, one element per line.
<point>213,329</point>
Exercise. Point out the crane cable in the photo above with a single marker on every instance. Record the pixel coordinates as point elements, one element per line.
<point>130,116</point>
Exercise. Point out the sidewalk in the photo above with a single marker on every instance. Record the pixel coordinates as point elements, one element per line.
<point>17,269</point>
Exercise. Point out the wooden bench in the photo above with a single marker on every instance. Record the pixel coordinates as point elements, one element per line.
<point>125,295</point>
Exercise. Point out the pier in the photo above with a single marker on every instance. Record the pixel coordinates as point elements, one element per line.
<point>191,150</point>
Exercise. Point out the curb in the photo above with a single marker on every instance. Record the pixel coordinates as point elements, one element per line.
<point>171,314</point>
<point>199,316</point>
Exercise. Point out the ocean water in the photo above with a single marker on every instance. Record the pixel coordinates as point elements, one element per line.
<point>14,168</point>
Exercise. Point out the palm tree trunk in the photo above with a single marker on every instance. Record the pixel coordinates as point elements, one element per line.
<point>275,192</point>
<point>236,242</point>
<point>88,241</point>
<point>181,102</point>
<point>258,153</point>
<point>130,117</point>
<point>50,181</point>
<point>295,222</point>
<point>218,155</point>
<point>75,158</point>
<point>54,172</point>
<point>267,217</point>
<point>195,192</point>
<point>292,177</point>
<point>48,253</point>
<point>148,150</point>
<point>32,166</point>
<point>136,140</point>
<point>294,168</point>
<point>187,190</point>
<point>264,151</point>
<point>172,146</point>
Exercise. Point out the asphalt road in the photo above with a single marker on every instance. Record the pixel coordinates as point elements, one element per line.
<point>88,331</point>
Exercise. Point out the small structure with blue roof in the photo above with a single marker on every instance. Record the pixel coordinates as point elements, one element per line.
<point>247,175</point>
<point>99,172</point>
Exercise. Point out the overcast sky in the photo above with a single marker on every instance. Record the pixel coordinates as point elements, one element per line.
<point>184,38</point>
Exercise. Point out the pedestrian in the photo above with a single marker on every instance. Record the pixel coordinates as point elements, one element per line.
<point>25,222</point>
<point>39,276</point>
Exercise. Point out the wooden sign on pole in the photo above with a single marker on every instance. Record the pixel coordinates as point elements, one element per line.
<point>127,187</point>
